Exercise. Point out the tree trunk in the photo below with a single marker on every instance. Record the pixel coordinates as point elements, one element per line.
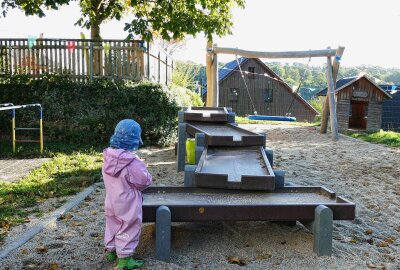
<point>97,52</point>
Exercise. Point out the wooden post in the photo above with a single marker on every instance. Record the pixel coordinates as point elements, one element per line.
<point>208,74</point>
<point>335,69</point>
<point>332,103</point>
<point>148,60</point>
<point>214,76</point>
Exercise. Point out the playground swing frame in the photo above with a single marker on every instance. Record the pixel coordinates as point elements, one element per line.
<point>13,108</point>
<point>332,70</point>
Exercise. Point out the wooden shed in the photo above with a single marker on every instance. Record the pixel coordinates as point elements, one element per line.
<point>359,103</point>
<point>269,93</point>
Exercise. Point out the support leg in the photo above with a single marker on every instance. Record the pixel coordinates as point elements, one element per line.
<point>200,142</point>
<point>279,178</point>
<point>163,233</point>
<point>270,156</point>
<point>181,146</point>
<point>231,117</point>
<point>189,174</point>
<point>321,227</point>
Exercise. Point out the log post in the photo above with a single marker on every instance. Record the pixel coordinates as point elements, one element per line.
<point>214,76</point>
<point>332,103</point>
<point>335,69</point>
<point>208,74</point>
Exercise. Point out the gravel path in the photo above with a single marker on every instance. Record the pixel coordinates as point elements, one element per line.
<point>11,170</point>
<point>368,174</point>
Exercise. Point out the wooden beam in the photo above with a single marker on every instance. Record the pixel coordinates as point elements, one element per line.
<point>208,74</point>
<point>332,103</point>
<point>335,69</point>
<point>336,63</point>
<point>215,81</point>
<point>291,54</point>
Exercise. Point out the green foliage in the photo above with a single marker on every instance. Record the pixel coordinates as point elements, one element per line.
<point>178,18</point>
<point>318,103</point>
<point>389,138</point>
<point>168,19</point>
<point>65,174</point>
<point>186,97</point>
<point>245,120</point>
<point>86,113</point>
<point>184,75</point>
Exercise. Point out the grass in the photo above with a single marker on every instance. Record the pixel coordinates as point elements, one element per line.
<point>70,169</point>
<point>245,120</point>
<point>389,138</point>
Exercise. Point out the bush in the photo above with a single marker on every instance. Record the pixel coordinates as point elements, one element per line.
<point>87,112</point>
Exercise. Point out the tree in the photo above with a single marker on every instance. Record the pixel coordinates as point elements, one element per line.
<point>171,19</point>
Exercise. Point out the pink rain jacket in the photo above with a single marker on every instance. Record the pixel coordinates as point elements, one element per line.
<point>125,177</point>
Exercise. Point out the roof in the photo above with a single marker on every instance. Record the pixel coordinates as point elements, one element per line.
<point>339,84</point>
<point>343,83</point>
<point>389,87</point>
<point>229,67</point>
<point>232,66</point>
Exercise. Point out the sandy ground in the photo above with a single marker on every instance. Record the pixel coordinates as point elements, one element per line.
<point>11,170</point>
<point>367,174</point>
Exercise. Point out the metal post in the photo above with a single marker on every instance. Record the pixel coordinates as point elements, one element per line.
<point>41,130</point>
<point>13,129</point>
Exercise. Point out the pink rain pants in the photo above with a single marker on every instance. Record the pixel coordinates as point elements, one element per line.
<point>125,177</point>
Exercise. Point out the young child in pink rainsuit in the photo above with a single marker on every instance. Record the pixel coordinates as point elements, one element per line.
<point>125,177</point>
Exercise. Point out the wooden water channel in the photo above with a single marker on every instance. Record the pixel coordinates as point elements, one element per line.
<point>84,59</point>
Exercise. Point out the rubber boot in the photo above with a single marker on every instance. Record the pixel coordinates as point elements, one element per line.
<point>129,263</point>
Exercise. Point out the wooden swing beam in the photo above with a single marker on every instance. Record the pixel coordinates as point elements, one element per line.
<point>332,69</point>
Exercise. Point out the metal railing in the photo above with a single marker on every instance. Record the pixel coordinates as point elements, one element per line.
<point>13,108</point>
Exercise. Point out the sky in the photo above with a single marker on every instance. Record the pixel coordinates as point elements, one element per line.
<point>368,29</point>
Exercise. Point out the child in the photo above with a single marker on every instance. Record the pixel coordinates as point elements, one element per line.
<point>125,177</point>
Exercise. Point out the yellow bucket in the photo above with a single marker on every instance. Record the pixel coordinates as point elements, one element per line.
<point>190,151</point>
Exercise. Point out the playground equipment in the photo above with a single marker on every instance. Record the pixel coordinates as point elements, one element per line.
<point>272,118</point>
<point>332,70</point>
<point>13,108</point>
<point>233,179</point>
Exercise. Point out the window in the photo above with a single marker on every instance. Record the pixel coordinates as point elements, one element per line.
<point>252,71</point>
<point>233,94</point>
<point>268,95</point>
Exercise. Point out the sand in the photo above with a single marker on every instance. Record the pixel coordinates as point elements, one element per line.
<point>367,174</point>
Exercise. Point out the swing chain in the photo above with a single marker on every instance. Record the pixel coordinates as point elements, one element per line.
<point>245,84</point>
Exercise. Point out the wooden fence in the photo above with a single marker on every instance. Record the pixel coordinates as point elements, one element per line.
<point>86,59</point>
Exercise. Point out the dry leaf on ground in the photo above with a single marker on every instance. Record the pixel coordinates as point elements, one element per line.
<point>235,260</point>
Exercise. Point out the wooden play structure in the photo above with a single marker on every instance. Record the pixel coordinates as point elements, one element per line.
<point>11,107</point>
<point>232,178</point>
<point>332,70</point>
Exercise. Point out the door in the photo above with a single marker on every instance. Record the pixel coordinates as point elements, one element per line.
<point>358,115</point>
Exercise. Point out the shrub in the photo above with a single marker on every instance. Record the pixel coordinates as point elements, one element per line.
<point>87,112</point>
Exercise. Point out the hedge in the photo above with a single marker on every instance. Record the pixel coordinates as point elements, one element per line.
<point>87,112</point>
